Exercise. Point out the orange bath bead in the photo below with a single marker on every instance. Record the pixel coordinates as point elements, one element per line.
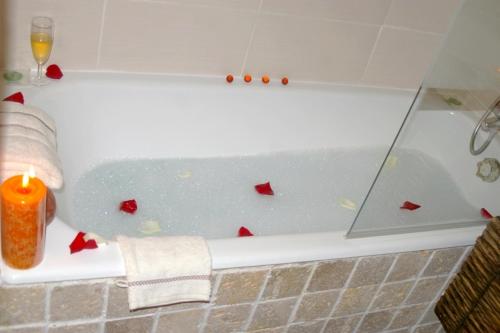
<point>284,81</point>
<point>265,79</point>
<point>247,78</point>
<point>229,78</point>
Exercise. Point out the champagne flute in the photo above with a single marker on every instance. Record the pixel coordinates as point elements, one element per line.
<point>42,35</point>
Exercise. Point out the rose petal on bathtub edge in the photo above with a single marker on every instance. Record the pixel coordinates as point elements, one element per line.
<point>79,243</point>
<point>485,214</point>
<point>17,97</point>
<point>54,72</point>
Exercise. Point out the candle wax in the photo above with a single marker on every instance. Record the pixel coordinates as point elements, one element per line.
<point>23,222</point>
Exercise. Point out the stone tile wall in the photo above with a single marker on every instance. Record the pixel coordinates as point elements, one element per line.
<point>387,293</point>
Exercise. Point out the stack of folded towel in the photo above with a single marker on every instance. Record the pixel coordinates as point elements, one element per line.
<point>28,138</point>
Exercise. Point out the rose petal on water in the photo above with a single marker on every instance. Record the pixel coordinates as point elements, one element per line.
<point>244,232</point>
<point>264,189</point>
<point>128,206</point>
<point>408,205</point>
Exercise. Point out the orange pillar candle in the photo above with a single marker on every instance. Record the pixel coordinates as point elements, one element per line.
<point>23,221</point>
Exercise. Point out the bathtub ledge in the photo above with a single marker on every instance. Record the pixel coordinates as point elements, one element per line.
<point>105,262</point>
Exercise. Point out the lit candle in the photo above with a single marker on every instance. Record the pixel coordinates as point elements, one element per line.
<point>23,221</point>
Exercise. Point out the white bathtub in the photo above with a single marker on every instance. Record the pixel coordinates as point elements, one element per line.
<point>240,135</point>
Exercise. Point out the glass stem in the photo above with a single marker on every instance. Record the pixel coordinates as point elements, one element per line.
<point>39,72</point>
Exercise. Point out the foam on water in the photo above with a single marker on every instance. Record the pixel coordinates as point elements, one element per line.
<point>213,197</point>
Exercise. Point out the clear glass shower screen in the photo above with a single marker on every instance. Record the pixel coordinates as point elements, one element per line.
<point>429,178</point>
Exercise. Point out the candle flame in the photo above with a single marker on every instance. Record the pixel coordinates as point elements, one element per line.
<point>26,180</point>
<point>27,175</point>
<point>31,172</point>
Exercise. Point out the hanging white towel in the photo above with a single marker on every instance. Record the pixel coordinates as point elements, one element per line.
<point>28,138</point>
<point>166,270</point>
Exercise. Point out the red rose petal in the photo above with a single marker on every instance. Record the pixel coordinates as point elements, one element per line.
<point>54,72</point>
<point>409,205</point>
<point>264,189</point>
<point>486,214</point>
<point>91,244</point>
<point>16,97</point>
<point>78,243</point>
<point>244,232</point>
<point>128,206</point>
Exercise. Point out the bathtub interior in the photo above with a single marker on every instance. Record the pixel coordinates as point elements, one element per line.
<point>321,144</point>
<point>190,151</point>
<point>430,165</point>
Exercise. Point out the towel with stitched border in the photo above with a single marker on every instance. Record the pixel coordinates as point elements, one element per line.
<point>166,270</point>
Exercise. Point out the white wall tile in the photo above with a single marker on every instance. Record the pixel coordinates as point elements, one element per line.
<point>309,49</point>
<point>401,58</point>
<point>77,26</point>
<point>372,11</point>
<point>314,40</point>
<point>424,15</point>
<point>173,38</point>
<point>234,4</point>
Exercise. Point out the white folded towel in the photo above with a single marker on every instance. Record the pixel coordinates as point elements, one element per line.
<point>13,107</point>
<point>166,270</point>
<point>28,117</point>
<point>28,138</point>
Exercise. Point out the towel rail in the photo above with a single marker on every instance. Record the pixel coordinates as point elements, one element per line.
<point>490,125</point>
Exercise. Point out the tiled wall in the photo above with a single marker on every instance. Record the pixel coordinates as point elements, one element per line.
<point>376,42</point>
<point>389,293</point>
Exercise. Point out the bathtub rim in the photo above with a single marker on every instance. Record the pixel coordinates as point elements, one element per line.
<point>107,261</point>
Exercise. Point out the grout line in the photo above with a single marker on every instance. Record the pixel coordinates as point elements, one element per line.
<point>105,306</point>
<point>194,5</point>
<point>451,274</point>
<point>396,27</point>
<point>299,16</point>
<point>155,320</point>
<point>101,33</point>
<point>211,303</point>
<point>23,326</point>
<point>252,34</point>
<point>380,286</point>
<point>292,315</point>
<point>417,279</point>
<point>372,53</point>
<point>244,326</point>
<point>48,298</point>
<point>74,322</point>
<point>376,42</point>
<point>102,327</point>
<point>341,293</point>
<point>321,18</point>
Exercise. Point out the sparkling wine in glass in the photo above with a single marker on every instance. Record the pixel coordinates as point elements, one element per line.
<point>42,36</point>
